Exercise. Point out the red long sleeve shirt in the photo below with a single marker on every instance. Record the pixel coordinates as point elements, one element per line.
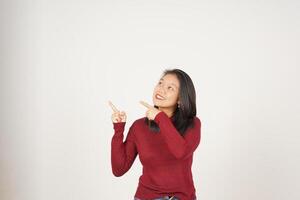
<point>166,157</point>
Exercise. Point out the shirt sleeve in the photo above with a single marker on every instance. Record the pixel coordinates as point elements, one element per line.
<point>180,146</point>
<point>124,153</point>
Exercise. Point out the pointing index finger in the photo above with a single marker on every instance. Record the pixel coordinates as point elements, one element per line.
<point>145,104</point>
<point>113,107</point>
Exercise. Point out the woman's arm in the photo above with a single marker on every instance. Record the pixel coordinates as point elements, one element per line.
<point>124,153</point>
<point>181,147</point>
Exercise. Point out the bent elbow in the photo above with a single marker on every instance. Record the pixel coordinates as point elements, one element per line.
<point>117,173</point>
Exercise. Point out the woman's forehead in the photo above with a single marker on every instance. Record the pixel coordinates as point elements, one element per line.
<point>171,79</point>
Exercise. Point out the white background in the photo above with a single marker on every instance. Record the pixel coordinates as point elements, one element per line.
<point>62,60</point>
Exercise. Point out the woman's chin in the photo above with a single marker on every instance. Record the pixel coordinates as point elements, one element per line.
<point>158,103</point>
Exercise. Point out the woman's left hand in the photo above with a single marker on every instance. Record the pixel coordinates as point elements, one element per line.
<point>151,112</point>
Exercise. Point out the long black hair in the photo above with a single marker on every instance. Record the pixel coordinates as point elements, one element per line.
<point>183,117</point>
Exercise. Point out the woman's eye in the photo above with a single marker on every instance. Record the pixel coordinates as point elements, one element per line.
<point>170,88</point>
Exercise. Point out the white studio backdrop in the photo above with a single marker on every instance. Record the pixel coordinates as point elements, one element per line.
<point>61,61</point>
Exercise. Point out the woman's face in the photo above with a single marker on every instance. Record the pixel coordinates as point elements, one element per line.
<point>166,92</point>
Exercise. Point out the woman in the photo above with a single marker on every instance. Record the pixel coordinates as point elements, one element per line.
<point>165,140</point>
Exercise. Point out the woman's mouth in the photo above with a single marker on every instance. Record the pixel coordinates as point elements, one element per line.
<point>159,97</point>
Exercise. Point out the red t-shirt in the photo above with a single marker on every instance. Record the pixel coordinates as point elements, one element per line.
<point>166,157</point>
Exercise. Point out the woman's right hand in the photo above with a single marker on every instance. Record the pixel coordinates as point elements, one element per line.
<point>117,116</point>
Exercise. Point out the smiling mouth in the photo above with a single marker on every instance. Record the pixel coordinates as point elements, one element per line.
<point>159,97</point>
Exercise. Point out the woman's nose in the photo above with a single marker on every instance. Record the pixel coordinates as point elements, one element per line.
<point>162,89</point>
